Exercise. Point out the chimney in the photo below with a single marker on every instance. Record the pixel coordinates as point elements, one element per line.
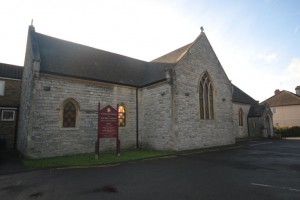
<point>298,90</point>
<point>277,91</point>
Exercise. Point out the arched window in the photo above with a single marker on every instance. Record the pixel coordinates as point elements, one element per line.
<point>206,97</point>
<point>122,115</point>
<point>241,117</point>
<point>70,113</point>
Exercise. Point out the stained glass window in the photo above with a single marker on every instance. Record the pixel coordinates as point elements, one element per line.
<point>121,115</point>
<point>241,117</point>
<point>206,97</point>
<point>69,115</point>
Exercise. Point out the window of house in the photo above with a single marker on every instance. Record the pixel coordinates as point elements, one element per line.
<point>273,110</point>
<point>70,114</point>
<point>2,88</point>
<point>8,115</point>
<point>121,115</point>
<point>241,117</point>
<point>206,97</point>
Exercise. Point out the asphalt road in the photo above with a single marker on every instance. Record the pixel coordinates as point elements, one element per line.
<point>268,169</point>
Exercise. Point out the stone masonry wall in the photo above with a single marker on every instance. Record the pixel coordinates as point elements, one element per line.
<point>240,131</point>
<point>191,131</point>
<point>27,89</point>
<point>255,126</point>
<point>48,138</point>
<point>155,124</point>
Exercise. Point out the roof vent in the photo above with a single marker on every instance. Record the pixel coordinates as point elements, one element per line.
<point>298,90</point>
<point>277,91</point>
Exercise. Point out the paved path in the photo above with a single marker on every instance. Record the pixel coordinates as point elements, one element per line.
<point>268,169</point>
<point>10,163</point>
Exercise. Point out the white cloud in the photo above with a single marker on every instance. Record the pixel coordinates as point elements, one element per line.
<point>293,70</point>
<point>267,57</point>
<point>290,76</point>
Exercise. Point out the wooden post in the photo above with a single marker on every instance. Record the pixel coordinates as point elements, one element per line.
<point>98,135</point>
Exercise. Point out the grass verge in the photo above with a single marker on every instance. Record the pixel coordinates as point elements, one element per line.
<point>89,159</point>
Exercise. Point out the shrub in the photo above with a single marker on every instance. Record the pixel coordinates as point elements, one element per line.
<point>288,131</point>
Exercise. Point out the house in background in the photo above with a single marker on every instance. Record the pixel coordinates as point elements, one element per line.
<point>249,118</point>
<point>285,107</point>
<point>10,90</point>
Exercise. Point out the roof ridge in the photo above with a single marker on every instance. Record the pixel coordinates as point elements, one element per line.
<point>276,100</point>
<point>181,51</point>
<point>291,93</point>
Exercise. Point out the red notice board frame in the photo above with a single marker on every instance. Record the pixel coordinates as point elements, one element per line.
<point>108,125</point>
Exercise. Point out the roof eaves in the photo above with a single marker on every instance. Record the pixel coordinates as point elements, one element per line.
<point>88,79</point>
<point>152,83</point>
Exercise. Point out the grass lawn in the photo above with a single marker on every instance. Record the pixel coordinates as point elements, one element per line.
<point>89,159</point>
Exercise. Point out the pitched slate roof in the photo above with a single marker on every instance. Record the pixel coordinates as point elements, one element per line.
<point>283,98</point>
<point>240,96</point>
<point>174,56</point>
<point>257,110</point>
<point>11,71</point>
<point>66,58</point>
<point>74,60</point>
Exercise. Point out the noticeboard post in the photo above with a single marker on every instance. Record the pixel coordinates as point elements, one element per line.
<point>108,126</point>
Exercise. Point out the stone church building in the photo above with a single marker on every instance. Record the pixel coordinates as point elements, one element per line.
<point>182,100</point>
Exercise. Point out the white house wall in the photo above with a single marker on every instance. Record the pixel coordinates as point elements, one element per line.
<point>286,116</point>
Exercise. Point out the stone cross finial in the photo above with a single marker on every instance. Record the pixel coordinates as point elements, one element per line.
<point>202,29</point>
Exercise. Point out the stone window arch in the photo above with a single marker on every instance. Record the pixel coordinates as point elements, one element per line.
<point>122,115</point>
<point>241,117</point>
<point>206,97</point>
<point>69,114</point>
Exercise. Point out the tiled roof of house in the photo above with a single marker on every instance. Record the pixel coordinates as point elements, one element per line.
<point>240,96</point>
<point>70,59</point>
<point>11,71</point>
<point>283,98</point>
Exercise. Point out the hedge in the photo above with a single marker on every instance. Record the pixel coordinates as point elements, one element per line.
<point>288,131</point>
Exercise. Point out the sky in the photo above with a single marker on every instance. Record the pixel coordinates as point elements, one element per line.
<point>256,41</point>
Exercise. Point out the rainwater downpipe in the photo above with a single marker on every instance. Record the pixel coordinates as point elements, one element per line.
<point>137,117</point>
<point>248,127</point>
